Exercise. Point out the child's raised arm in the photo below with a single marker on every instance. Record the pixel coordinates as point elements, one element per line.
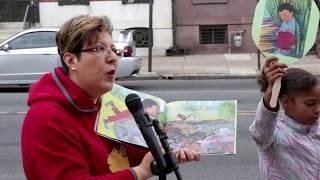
<point>262,129</point>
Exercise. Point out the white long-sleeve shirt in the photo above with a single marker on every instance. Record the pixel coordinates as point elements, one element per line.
<point>287,149</point>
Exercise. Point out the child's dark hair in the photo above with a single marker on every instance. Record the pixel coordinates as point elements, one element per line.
<point>149,103</point>
<point>286,6</point>
<point>296,80</point>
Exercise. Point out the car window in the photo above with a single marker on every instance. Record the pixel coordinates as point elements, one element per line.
<point>34,40</point>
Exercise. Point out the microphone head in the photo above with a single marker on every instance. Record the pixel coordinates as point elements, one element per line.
<point>133,103</point>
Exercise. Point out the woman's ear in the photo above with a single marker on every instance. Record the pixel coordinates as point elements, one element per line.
<point>70,60</point>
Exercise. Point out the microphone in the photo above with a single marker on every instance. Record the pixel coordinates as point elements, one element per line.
<point>133,102</point>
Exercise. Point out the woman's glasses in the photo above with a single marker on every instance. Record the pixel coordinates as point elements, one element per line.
<point>101,50</point>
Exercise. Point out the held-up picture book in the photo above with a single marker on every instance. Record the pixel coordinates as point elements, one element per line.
<point>206,127</point>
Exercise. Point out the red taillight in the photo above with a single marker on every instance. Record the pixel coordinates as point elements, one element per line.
<point>127,51</point>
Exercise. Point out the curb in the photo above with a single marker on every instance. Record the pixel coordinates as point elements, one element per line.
<point>185,76</point>
<point>188,77</point>
<point>207,76</point>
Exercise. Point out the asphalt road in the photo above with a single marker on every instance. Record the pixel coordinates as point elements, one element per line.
<point>242,166</point>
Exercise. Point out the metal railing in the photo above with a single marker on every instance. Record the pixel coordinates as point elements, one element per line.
<point>29,19</point>
<point>25,26</point>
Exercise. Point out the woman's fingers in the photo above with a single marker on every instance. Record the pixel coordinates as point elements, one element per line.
<point>185,155</point>
<point>182,155</point>
<point>191,156</point>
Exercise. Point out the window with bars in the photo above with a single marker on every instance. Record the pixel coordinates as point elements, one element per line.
<point>140,36</point>
<point>213,34</point>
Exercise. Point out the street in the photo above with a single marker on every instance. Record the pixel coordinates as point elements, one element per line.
<point>243,165</point>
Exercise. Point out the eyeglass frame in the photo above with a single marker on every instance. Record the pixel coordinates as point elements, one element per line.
<point>106,52</point>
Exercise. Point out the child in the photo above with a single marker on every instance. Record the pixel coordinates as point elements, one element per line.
<point>151,107</point>
<point>288,144</point>
<point>286,34</point>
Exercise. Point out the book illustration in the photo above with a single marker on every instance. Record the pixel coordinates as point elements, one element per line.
<point>207,127</point>
<point>196,136</point>
<point>285,29</point>
<point>116,122</point>
<point>151,107</point>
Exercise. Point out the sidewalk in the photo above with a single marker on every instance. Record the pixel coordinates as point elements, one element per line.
<point>213,66</point>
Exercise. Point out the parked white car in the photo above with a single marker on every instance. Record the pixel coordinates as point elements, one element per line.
<point>129,63</point>
<point>29,54</point>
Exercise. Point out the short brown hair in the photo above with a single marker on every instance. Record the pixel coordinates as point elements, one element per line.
<point>79,31</point>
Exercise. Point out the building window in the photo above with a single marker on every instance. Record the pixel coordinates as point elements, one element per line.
<point>213,34</point>
<point>134,1</point>
<point>73,2</point>
<point>140,36</point>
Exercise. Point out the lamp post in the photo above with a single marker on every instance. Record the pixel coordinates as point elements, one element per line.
<point>258,54</point>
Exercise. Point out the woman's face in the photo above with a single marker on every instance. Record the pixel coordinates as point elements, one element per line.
<point>285,15</point>
<point>303,107</point>
<point>95,69</point>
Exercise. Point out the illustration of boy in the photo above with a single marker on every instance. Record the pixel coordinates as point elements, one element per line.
<point>286,34</point>
<point>151,107</point>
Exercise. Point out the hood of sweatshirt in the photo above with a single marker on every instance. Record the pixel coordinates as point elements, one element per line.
<point>57,87</point>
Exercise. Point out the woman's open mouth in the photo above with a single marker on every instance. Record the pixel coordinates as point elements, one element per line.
<point>111,72</point>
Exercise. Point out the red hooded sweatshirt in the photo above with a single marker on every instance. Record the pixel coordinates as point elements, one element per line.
<point>58,137</point>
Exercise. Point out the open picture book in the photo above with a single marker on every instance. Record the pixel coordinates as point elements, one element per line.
<point>206,127</point>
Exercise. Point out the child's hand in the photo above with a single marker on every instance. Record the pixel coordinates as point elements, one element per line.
<point>272,71</point>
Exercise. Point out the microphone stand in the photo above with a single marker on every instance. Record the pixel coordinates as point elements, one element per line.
<point>172,164</point>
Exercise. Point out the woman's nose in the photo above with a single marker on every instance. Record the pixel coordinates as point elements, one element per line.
<point>112,58</point>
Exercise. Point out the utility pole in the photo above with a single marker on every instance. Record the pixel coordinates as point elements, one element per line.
<point>174,24</point>
<point>150,34</point>
<point>258,53</point>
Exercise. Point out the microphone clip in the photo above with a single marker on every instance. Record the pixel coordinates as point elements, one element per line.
<point>170,158</point>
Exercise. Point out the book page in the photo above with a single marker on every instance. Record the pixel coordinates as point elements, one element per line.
<point>206,127</point>
<point>116,122</point>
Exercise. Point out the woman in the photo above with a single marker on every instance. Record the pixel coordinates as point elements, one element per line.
<point>58,137</point>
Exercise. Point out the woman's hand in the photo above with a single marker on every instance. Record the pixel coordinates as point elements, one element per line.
<point>143,171</point>
<point>184,155</point>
